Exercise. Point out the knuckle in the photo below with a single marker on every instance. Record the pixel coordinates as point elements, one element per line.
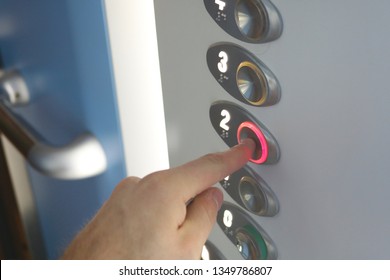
<point>153,180</point>
<point>126,184</point>
<point>132,180</point>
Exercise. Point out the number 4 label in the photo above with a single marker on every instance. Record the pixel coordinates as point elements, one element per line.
<point>221,4</point>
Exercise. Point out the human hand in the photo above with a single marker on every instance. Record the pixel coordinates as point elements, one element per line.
<point>151,218</point>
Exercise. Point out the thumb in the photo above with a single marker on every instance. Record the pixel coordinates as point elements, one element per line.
<point>201,217</point>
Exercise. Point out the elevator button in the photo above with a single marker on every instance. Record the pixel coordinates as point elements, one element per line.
<point>252,83</point>
<point>251,197</point>
<point>249,238</point>
<point>233,123</point>
<point>251,192</point>
<point>243,75</point>
<point>252,21</point>
<point>251,244</point>
<point>250,130</point>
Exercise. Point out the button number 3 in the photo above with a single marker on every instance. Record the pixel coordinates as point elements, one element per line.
<point>222,64</point>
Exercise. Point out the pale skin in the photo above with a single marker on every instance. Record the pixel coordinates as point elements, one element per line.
<point>151,218</point>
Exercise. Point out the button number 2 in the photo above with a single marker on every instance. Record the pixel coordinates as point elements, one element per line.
<point>226,119</point>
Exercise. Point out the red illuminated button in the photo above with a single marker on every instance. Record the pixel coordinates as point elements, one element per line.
<point>250,130</point>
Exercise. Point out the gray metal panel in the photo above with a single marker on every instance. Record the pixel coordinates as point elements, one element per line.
<point>332,122</point>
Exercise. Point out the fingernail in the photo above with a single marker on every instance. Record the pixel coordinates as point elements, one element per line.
<point>217,196</point>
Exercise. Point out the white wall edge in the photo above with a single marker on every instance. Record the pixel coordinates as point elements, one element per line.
<point>133,43</point>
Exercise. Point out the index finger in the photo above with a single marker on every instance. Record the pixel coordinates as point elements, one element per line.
<point>194,177</point>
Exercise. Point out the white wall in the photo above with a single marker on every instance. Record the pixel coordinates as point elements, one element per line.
<point>133,41</point>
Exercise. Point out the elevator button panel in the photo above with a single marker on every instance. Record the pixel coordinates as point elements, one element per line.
<point>251,192</point>
<point>243,75</point>
<point>252,21</point>
<point>233,123</point>
<point>250,239</point>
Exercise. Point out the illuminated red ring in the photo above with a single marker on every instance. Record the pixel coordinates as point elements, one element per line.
<point>260,136</point>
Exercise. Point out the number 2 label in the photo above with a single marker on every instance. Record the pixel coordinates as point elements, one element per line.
<point>226,119</point>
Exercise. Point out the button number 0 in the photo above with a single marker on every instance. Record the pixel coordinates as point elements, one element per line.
<point>228,218</point>
<point>221,4</point>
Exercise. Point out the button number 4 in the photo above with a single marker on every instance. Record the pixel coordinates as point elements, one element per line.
<point>221,4</point>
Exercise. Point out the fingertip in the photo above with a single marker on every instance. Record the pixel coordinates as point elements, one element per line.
<point>250,146</point>
<point>217,196</point>
<point>202,213</point>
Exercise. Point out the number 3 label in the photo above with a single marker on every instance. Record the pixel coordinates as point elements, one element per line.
<point>223,63</point>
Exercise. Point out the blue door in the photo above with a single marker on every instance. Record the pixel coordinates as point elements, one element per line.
<point>61,50</point>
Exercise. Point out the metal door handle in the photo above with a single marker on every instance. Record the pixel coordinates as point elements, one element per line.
<point>84,157</point>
